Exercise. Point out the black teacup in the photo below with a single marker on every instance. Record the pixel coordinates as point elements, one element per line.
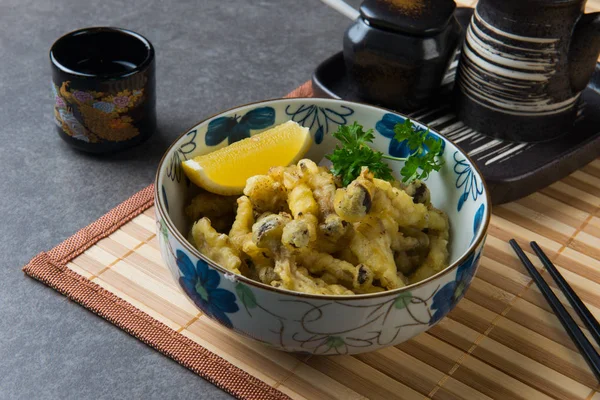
<point>104,88</point>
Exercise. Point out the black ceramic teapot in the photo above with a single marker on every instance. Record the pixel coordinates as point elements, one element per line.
<point>397,51</point>
<point>523,66</point>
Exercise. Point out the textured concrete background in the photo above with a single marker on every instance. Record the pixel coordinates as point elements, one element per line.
<point>211,55</point>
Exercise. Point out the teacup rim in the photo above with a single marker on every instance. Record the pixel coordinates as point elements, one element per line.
<point>144,65</point>
<point>184,242</point>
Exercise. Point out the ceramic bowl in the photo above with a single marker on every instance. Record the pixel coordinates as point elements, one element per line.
<point>320,324</point>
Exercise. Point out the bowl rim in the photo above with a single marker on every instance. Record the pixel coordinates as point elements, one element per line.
<point>238,277</point>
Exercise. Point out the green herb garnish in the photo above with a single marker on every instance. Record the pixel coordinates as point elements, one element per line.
<point>426,160</point>
<point>355,153</point>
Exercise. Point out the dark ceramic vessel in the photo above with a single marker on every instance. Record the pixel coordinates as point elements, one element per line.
<point>104,89</point>
<point>396,53</point>
<point>511,169</point>
<point>523,66</point>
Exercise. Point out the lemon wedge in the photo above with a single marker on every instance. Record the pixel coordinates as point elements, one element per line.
<point>226,170</point>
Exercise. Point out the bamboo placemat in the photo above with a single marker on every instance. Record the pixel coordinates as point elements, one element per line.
<point>502,341</point>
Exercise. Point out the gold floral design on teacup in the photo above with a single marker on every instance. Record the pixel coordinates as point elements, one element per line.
<point>96,116</point>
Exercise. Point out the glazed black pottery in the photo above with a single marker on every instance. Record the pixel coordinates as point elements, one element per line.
<point>523,66</point>
<point>397,51</point>
<point>104,89</point>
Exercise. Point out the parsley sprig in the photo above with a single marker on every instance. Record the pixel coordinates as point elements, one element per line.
<point>355,153</point>
<point>425,151</point>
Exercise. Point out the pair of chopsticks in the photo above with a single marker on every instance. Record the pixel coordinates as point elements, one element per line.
<point>583,344</point>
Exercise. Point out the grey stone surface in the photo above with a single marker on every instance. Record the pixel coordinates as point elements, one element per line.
<point>211,55</point>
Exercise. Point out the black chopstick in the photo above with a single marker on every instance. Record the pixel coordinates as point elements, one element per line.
<point>584,313</point>
<point>583,344</point>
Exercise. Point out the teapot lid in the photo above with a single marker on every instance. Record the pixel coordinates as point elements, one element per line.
<point>416,17</point>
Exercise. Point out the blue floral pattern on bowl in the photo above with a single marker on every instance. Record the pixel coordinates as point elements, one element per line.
<point>201,284</point>
<point>477,221</point>
<point>238,127</point>
<point>446,297</point>
<point>467,180</point>
<point>174,169</point>
<point>312,116</point>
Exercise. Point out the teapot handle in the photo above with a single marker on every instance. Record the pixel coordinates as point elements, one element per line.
<point>343,8</point>
<point>584,50</point>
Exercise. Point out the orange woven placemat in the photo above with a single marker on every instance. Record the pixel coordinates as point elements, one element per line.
<point>51,269</point>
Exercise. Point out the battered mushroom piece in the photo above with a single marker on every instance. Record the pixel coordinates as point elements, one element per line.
<point>300,232</point>
<point>262,260</point>
<point>216,246</point>
<point>329,278</point>
<point>434,262</point>
<point>371,246</point>
<point>333,235</point>
<point>334,227</point>
<point>301,201</point>
<point>307,168</point>
<point>244,220</point>
<point>292,177</point>
<point>268,275</point>
<point>266,194</point>
<point>268,229</point>
<point>299,279</point>
<point>419,192</point>
<point>415,237</point>
<point>354,202</point>
<point>347,255</point>
<point>400,241</point>
<point>398,205</point>
<point>319,263</point>
<point>303,229</point>
<point>277,173</point>
<point>367,195</point>
<point>438,223</point>
<point>407,261</point>
<point>363,279</point>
